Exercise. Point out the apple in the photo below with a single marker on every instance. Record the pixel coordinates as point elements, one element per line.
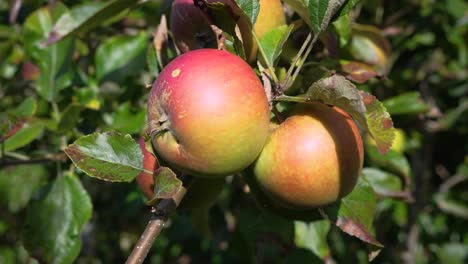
<point>270,16</point>
<point>311,159</point>
<point>208,114</point>
<point>201,193</point>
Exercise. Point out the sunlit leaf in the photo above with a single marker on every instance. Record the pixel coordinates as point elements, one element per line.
<point>316,13</point>
<point>273,41</point>
<point>313,236</point>
<point>121,56</point>
<point>343,29</point>
<point>250,8</point>
<point>54,61</point>
<point>379,122</point>
<point>369,45</point>
<point>87,16</point>
<point>109,156</point>
<point>381,181</point>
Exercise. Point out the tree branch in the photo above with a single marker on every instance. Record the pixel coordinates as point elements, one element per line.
<point>47,159</point>
<point>159,217</point>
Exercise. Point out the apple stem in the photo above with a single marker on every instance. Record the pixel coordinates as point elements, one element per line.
<point>158,219</point>
<point>298,62</point>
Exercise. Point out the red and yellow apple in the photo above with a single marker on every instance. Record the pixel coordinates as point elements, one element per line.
<point>208,114</point>
<point>311,159</point>
<point>201,193</point>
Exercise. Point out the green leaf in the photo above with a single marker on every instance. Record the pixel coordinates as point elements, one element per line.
<point>152,61</point>
<point>313,236</point>
<point>316,13</point>
<point>452,252</point>
<point>109,156</point>
<point>54,61</point>
<point>87,16</point>
<point>17,184</point>
<point>11,121</point>
<point>391,161</point>
<point>356,213</point>
<point>250,8</point>
<point>55,220</point>
<point>166,184</point>
<point>273,42</point>
<point>369,45</point>
<point>70,117</point>
<point>381,181</point>
<point>120,56</point>
<point>348,6</point>
<point>409,103</point>
<point>29,132</point>
<point>379,122</point>
<point>126,120</point>
<point>343,29</point>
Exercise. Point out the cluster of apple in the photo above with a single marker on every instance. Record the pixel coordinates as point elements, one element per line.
<point>209,117</point>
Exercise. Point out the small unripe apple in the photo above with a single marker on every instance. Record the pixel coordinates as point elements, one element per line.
<point>312,159</point>
<point>201,193</point>
<point>208,113</point>
<point>270,16</point>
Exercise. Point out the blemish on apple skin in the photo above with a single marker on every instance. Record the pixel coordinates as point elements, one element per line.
<point>175,73</point>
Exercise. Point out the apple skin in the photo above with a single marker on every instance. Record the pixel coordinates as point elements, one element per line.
<point>215,111</point>
<point>312,159</point>
<point>270,16</point>
<point>201,193</point>
<point>145,180</point>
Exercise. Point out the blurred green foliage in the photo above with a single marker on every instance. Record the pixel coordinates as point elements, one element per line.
<point>96,80</point>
